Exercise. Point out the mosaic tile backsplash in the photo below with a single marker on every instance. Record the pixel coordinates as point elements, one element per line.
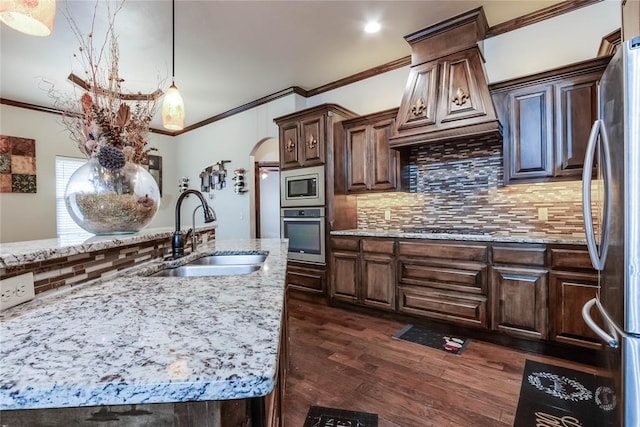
<point>461,185</point>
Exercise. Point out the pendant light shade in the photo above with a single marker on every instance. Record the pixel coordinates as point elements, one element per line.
<point>173,106</point>
<point>33,17</point>
<point>173,109</point>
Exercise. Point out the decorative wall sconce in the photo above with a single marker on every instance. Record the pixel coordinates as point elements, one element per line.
<point>214,177</point>
<point>183,184</point>
<point>239,187</point>
<point>28,16</point>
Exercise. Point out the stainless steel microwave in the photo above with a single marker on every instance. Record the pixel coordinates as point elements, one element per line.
<point>302,187</point>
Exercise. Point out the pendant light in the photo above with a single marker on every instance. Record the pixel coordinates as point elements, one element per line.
<point>33,17</point>
<point>173,106</point>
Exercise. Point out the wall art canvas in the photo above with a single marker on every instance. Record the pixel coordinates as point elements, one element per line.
<point>17,164</point>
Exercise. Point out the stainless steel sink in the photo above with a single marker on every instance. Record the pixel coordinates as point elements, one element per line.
<point>217,264</point>
<point>192,270</point>
<point>233,259</point>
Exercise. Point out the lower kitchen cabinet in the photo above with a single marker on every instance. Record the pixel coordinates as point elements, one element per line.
<point>378,287</point>
<point>511,291</point>
<point>520,301</point>
<point>363,272</point>
<point>519,290</point>
<point>306,277</point>
<point>445,281</point>
<point>572,283</point>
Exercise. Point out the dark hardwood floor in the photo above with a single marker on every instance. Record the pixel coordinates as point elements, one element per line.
<point>349,361</point>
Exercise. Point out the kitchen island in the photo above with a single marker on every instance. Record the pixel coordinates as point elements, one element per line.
<point>134,339</point>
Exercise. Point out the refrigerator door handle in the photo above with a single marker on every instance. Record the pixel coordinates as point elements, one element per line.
<point>598,260</point>
<point>611,337</point>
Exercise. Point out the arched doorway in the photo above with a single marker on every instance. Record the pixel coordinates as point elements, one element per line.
<point>266,175</point>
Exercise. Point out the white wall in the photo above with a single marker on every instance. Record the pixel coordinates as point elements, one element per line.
<point>230,139</point>
<point>559,41</point>
<point>565,39</point>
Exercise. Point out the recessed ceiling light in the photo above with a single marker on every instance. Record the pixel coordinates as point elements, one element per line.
<point>372,27</point>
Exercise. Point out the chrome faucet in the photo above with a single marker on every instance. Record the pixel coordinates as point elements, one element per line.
<point>194,236</point>
<point>177,242</point>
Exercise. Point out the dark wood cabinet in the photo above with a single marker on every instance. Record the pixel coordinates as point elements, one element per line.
<point>370,164</point>
<point>302,142</point>
<point>306,277</point>
<point>519,290</point>
<point>520,301</point>
<point>306,137</point>
<point>572,283</point>
<point>443,280</point>
<point>363,272</point>
<point>547,119</point>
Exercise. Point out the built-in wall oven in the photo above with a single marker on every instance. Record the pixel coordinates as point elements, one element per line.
<point>302,187</point>
<point>304,227</point>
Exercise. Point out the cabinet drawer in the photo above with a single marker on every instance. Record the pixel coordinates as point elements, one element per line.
<point>533,256</point>
<point>463,277</point>
<point>571,258</point>
<point>378,246</point>
<point>454,307</point>
<point>443,250</point>
<point>345,243</point>
<point>306,278</point>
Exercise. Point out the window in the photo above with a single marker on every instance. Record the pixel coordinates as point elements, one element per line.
<point>65,167</point>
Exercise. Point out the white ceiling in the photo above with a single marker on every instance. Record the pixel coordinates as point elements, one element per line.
<point>229,53</point>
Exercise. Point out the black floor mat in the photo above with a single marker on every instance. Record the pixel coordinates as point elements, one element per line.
<point>553,395</point>
<point>424,336</point>
<point>331,417</point>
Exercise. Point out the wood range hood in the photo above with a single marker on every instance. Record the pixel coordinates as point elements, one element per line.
<point>447,95</point>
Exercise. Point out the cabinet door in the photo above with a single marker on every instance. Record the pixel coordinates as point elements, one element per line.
<point>344,276</point>
<point>576,107</point>
<point>378,281</point>
<point>289,147</point>
<point>357,158</point>
<point>418,106</point>
<point>569,291</point>
<point>461,97</point>
<point>313,141</point>
<point>520,302</point>
<point>530,146</point>
<point>384,161</point>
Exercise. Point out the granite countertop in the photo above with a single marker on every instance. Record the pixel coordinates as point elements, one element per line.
<point>495,236</point>
<point>134,339</point>
<point>16,253</point>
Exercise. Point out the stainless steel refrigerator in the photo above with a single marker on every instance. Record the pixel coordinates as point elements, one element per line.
<point>611,203</point>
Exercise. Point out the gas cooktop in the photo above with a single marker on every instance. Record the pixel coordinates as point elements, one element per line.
<point>436,230</point>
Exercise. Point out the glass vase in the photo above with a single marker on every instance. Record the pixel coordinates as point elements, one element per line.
<point>112,201</point>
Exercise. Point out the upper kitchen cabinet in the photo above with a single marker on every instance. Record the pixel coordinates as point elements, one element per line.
<point>306,135</point>
<point>548,118</point>
<point>447,96</point>
<point>370,165</point>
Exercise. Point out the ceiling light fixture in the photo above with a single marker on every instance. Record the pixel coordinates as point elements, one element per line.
<point>173,106</point>
<point>372,27</point>
<point>33,17</point>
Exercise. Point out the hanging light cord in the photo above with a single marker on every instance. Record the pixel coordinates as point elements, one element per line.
<point>173,42</point>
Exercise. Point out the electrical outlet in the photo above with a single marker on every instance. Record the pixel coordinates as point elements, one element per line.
<point>387,215</point>
<point>543,214</point>
<point>16,290</point>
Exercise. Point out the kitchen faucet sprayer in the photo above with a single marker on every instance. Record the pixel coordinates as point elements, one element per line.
<point>194,237</point>
<point>177,242</point>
